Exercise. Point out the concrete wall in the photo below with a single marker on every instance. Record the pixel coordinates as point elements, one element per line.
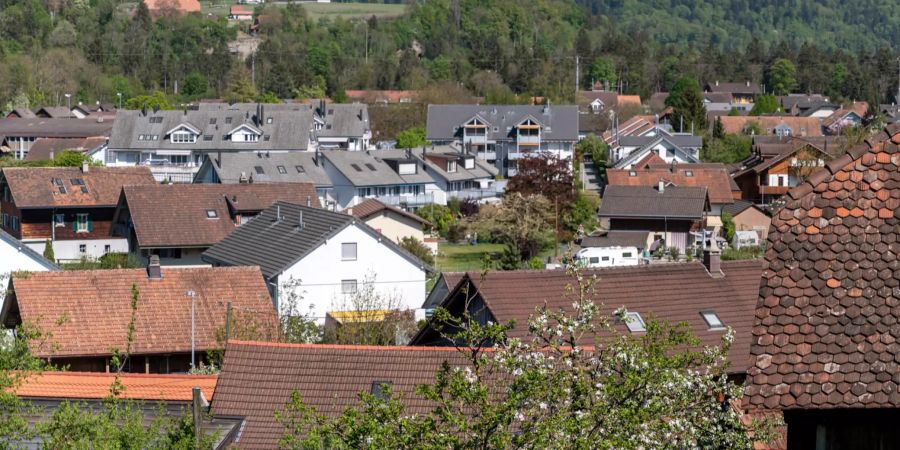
<point>69,250</point>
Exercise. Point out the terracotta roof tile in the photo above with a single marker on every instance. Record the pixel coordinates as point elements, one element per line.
<point>176,215</point>
<point>87,312</point>
<point>714,177</point>
<point>832,268</point>
<point>800,126</point>
<point>96,386</point>
<point>33,187</point>
<point>258,378</point>
<point>371,206</point>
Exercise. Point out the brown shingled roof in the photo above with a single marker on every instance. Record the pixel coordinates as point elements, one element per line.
<point>96,386</point>
<point>371,206</point>
<point>671,292</point>
<point>714,177</point>
<point>800,126</point>
<point>257,380</point>
<point>827,323</point>
<point>33,187</point>
<point>176,215</point>
<point>86,313</point>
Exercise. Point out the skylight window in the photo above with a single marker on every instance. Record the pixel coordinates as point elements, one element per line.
<point>77,182</point>
<point>282,170</point>
<point>57,181</point>
<point>300,169</point>
<point>212,121</point>
<point>84,190</point>
<point>356,167</point>
<point>632,174</point>
<point>370,167</point>
<point>212,214</point>
<point>259,170</point>
<point>688,173</point>
<point>156,119</point>
<point>712,320</point>
<point>634,322</point>
<point>380,389</point>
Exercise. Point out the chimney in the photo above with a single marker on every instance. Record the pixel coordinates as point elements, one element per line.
<point>748,83</point>
<point>662,186</point>
<point>154,272</point>
<point>277,213</point>
<point>717,82</point>
<point>712,256</point>
<point>85,167</point>
<point>300,223</point>
<point>308,201</point>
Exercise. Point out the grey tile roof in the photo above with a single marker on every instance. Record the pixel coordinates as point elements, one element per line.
<point>481,170</point>
<point>740,206</point>
<point>616,239</point>
<point>371,168</point>
<point>57,128</point>
<point>275,245</point>
<point>342,119</point>
<point>444,121</point>
<point>674,202</point>
<point>289,128</point>
<point>232,165</point>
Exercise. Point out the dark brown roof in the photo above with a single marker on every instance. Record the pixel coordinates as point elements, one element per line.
<point>33,187</point>
<point>60,128</point>
<point>714,177</point>
<point>670,292</point>
<point>47,148</point>
<point>734,88</point>
<point>827,323</point>
<point>800,126</point>
<point>177,215</point>
<point>257,380</point>
<point>371,206</point>
<point>674,202</point>
<point>87,312</point>
<point>616,239</point>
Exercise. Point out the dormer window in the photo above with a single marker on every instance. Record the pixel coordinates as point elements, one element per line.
<point>183,137</point>
<point>469,163</point>
<point>245,133</point>
<point>451,166</point>
<point>406,168</point>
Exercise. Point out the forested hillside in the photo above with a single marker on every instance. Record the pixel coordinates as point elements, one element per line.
<point>503,50</point>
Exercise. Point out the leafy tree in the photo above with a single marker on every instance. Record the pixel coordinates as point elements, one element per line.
<point>752,129</point>
<point>195,84</point>
<point>728,226</point>
<point>728,149</point>
<point>782,77</point>
<point>544,174</point>
<point>594,146</point>
<point>549,390</point>
<point>411,138</point>
<point>718,129</point>
<point>522,222</point>
<point>380,318</point>
<point>765,104</point>
<point>583,213</point>
<point>733,112</point>
<point>418,249</point>
<point>686,101</point>
<point>49,255</point>
<point>268,97</point>
<point>439,216</point>
<point>156,100</point>
<point>603,71</point>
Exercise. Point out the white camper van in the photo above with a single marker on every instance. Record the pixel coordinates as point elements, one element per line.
<point>608,256</point>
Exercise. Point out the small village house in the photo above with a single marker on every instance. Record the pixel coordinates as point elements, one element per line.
<point>394,223</point>
<point>749,217</point>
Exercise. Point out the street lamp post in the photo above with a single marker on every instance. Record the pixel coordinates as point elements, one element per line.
<point>119,94</point>
<point>193,297</point>
<point>69,104</point>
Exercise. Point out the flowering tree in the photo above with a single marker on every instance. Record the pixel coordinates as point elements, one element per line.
<point>657,391</point>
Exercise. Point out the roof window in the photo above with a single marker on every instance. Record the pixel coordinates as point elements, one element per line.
<point>300,169</point>
<point>268,120</point>
<point>228,120</point>
<point>259,170</point>
<point>356,167</point>
<point>712,320</point>
<point>632,173</point>
<point>688,173</point>
<point>380,389</point>
<point>282,170</point>
<point>212,121</point>
<point>633,321</point>
<point>212,214</point>
<point>56,181</point>
<point>156,119</point>
<point>370,167</point>
<point>77,182</point>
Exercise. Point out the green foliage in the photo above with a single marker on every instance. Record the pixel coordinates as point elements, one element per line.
<point>782,77</point>
<point>523,223</point>
<point>733,254</point>
<point>547,391</point>
<point>67,158</point>
<point>156,100</point>
<point>733,112</point>
<point>439,216</point>
<point>594,146</point>
<point>107,261</point>
<point>49,255</point>
<point>686,101</point>
<point>752,129</point>
<point>268,97</point>
<point>195,85</point>
<point>535,263</point>
<point>582,215</point>
<point>765,104</point>
<point>718,129</point>
<point>411,138</point>
<point>603,71</point>
<point>728,149</point>
<point>728,226</point>
<point>418,249</point>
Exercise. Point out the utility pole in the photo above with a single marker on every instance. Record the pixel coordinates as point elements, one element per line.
<point>577,75</point>
<point>367,42</point>
<point>253,69</point>
<point>193,297</point>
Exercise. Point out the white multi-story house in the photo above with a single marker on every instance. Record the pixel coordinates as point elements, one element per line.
<point>315,261</point>
<point>18,257</point>
<point>503,134</point>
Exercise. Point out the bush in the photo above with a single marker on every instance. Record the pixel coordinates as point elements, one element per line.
<point>440,217</point>
<point>49,255</point>
<point>732,254</point>
<point>536,263</point>
<point>418,249</point>
<point>456,232</point>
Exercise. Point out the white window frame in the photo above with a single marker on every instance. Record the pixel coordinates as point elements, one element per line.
<point>345,246</point>
<point>81,227</point>
<point>182,137</point>
<point>59,220</point>
<point>349,287</point>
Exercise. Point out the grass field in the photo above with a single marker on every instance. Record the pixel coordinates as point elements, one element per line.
<point>463,257</point>
<point>316,11</point>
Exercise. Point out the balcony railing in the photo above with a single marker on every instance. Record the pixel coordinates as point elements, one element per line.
<point>475,194</point>
<point>529,140</point>
<point>406,199</point>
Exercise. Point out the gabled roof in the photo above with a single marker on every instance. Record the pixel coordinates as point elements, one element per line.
<point>18,246</point>
<point>176,215</point>
<point>96,386</point>
<point>671,292</point>
<point>675,202</point>
<point>734,88</point>
<point>21,113</point>
<point>372,168</point>
<point>342,119</point>
<point>182,6</point>
<point>682,145</point>
<point>257,380</point>
<point>800,126</point>
<point>86,313</point>
<point>299,167</point>
<point>42,148</point>
<point>560,123</point>
<point>616,239</point>
<point>740,206</point>
<point>825,334</point>
<point>369,207</point>
<point>857,108</point>
<point>714,177</point>
<point>276,245</point>
<point>33,187</point>
<point>57,128</point>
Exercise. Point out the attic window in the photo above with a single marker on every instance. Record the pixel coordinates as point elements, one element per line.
<point>207,137</point>
<point>212,214</point>
<point>156,119</point>
<point>282,170</point>
<point>57,181</point>
<point>688,173</point>
<point>370,167</point>
<point>331,112</point>
<point>155,137</point>
<point>268,120</point>
<point>84,190</point>
<point>712,320</point>
<point>328,126</point>
<point>356,167</point>
<point>632,173</point>
<point>259,170</point>
<point>77,182</point>
<point>300,169</point>
<point>380,389</point>
<point>212,121</point>
<point>62,189</point>
<point>496,129</point>
<point>140,137</point>
<point>266,138</point>
<point>634,322</point>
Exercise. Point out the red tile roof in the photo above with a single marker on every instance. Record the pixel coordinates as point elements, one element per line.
<point>826,326</point>
<point>96,386</point>
<point>671,292</point>
<point>714,177</point>
<point>257,380</point>
<point>374,96</point>
<point>32,187</point>
<point>372,206</point>
<point>181,6</point>
<point>176,215</point>
<point>859,108</point>
<point>800,126</point>
<point>87,312</point>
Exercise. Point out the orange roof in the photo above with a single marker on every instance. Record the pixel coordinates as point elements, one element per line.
<point>182,6</point>
<point>800,126</point>
<point>629,100</point>
<point>90,386</point>
<point>714,177</point>
<point>240,9</point>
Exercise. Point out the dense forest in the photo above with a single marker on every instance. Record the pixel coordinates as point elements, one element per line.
<point>503,50</point>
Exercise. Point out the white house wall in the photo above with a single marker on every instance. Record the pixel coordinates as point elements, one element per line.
<point>69,250</point>
<point>321,273</point>
<point>14,260</point>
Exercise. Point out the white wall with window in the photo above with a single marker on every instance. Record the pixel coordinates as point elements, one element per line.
<point>608,256</point>
<point>75,249</point>
<point>331,272</point>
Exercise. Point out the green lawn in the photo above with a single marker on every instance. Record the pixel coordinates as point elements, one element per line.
<point>464,257</point>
